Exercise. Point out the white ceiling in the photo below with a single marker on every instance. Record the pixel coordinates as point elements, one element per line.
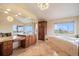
<point>55,10</point>
<point>31,10</point>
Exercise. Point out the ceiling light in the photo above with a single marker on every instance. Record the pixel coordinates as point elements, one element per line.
<point>43,6</point>
<point>5,12</point>
<point>8,9</point>
<point>10,19</point>
<point>16,15</point>
<point>19,13</point>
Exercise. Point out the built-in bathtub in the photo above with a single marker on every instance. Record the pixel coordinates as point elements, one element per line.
<point>72,40</point>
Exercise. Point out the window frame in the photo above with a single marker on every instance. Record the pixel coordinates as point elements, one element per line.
<point>24,30</point>
<point>65,22</point>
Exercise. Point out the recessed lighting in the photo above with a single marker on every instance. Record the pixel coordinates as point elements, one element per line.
<point>19,13</point>
<point>5,12</point>
<point>16,15</point>
<point>8,9</point>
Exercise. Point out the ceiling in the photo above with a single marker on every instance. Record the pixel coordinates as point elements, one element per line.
<point>31,11</point>
<point>55,10</point>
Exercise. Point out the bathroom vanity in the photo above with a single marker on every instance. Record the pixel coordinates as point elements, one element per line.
<point>9,42</point>
<point>6,46</point>
<point>28,41</point>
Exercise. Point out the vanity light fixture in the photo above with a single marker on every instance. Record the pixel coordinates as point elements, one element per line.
<point>19,13</point>
<point>16,15</point>
<point>8,9</point>
<point>5,12</point>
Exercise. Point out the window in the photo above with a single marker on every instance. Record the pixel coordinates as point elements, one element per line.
<point>64,28</point>
<point>28,29</point>
<point>20,28</point>
<point>23,29</point>
<point>17,28</point>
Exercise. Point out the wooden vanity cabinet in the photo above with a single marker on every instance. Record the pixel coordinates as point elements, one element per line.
<point>6,48</point>
<point>0,47</point>
<point>24,43</point>
<point>30,40</point>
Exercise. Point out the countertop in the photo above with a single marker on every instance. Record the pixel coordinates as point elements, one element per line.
<point>2,39</point>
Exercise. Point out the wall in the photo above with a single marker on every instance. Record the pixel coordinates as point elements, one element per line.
<point>77,25</point>
<point>6,26</point>
<point>50,24</point>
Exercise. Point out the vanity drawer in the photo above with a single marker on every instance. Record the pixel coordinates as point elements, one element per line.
<point>7,43</point>
<point>6,48</point>
<point>7,52</point>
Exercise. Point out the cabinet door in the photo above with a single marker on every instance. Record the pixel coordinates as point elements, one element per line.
<point>7,51</point>
<point>0,48</point>
<point>25,42</point>
<point>7,48</point>
<point>42,26</point>
<point>32,40</point>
